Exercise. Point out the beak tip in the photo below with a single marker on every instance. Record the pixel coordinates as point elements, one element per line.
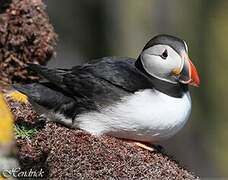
<point>196,84</point>
<point>195,80</point>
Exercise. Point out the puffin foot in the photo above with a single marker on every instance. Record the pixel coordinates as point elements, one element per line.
<point>146,146</point>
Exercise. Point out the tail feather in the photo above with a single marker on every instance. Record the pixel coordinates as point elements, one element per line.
<point>43,95</point>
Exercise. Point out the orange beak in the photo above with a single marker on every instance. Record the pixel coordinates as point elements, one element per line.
<point>195,80</point>
<point>189,74</point>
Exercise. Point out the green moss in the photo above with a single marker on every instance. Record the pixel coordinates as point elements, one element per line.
<point>24,132</point>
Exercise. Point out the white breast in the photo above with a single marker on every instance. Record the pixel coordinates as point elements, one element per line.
<point>147,115</point>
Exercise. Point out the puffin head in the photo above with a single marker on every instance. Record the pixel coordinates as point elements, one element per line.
<point>166,58</point>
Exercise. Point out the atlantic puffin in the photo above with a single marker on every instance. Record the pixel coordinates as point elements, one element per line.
<point>145,99</point>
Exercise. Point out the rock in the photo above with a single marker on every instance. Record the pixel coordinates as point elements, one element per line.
<point>72,153</point>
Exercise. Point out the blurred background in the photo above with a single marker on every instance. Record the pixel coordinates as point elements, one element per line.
<point>92,29</point>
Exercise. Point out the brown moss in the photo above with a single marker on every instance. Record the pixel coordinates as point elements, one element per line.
<point>67,153</point>
<point>26,36</point>
<point>23,112</point>
<point>70,153</point>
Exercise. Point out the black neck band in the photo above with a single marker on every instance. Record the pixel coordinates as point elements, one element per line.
<point>174,90</point>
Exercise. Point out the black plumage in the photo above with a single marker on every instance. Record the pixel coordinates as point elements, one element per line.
<point>87,87</point>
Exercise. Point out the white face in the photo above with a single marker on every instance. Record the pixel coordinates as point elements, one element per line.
<point>160,61</point>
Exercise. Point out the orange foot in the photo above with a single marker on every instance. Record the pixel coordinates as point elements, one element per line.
<point>142,145</point>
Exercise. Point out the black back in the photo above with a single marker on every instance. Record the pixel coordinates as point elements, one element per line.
<point>91,86</point>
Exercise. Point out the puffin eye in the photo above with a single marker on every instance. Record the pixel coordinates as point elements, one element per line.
<point>164,54</point>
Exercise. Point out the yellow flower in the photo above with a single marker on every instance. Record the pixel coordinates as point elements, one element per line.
<point>6,122</point>
<point>17,96</point>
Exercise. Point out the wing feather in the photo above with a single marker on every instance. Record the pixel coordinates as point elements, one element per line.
<point>98,83</point>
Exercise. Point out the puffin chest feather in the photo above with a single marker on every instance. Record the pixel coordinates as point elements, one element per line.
<point>145,113</point>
